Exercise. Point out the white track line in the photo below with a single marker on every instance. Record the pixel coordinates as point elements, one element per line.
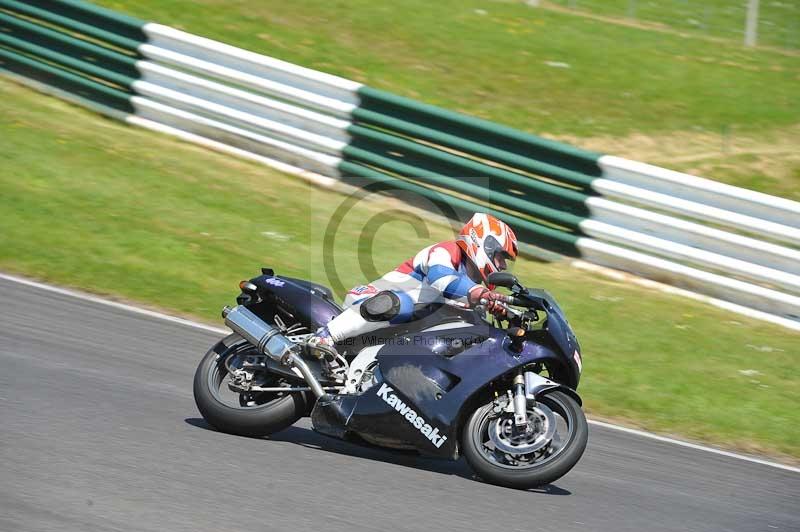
<point>188,323</point>
<point>696,446</point>
<point>130,308</point>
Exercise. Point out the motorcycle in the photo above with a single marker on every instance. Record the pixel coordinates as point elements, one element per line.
<point>451,382</point>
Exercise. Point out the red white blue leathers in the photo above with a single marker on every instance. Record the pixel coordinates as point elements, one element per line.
<point>435,273</point>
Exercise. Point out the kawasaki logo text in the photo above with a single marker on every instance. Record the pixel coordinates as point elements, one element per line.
<point>419,423</point>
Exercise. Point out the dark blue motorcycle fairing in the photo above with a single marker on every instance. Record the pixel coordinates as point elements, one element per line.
<point>437,388</point>
<point>309,303</point>
<point>556,321</point>
<point>426,378</point>
<point>557,333</point>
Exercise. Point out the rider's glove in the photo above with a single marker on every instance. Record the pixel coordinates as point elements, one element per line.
<point>493,300</point>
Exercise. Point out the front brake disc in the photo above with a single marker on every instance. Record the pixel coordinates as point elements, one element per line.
<point>509,439</point>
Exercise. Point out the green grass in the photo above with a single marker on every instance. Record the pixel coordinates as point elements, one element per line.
<point>94,204</point>
<point>490,58</point>
<point>504,61</point>
<point>768,161</point>
<point>778,22</point>
<point>745,170</point>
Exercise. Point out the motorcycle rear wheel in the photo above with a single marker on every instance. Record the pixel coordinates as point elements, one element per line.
<point>257,415</point>
<point>535,469</point>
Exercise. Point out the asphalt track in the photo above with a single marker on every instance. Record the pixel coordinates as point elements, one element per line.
<point>99,432</point>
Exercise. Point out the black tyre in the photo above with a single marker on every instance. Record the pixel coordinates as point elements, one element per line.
<point>256,414</point>
<point>534,459</point>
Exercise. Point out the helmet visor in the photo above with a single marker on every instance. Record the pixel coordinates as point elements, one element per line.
<point>503,261</point>
<point>500,258</point>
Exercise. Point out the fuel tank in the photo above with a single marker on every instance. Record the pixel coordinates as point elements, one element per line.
<point>294,300</point>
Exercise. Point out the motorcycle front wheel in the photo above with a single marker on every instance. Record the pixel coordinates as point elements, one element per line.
<point>504,455</point>
<point>254,414</point>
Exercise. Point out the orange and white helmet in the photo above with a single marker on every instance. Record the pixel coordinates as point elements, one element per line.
<point>488,242</point>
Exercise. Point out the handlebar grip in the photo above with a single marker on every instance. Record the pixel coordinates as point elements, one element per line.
<point>519,302</point>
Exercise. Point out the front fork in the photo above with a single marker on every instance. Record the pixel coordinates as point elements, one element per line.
<point>520,401</point>
<point>526,386</point>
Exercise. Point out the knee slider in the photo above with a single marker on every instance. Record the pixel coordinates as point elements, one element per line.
<point>383,306</point>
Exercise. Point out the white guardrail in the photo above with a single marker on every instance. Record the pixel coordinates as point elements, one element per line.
<point>729,243</point>
<point>241,102</point>
<point>726,242</point>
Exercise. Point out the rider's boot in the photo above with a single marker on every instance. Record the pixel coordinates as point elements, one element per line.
<point>322,340</point>
<point>322,346</point>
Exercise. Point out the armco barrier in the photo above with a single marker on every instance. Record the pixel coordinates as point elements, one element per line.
<point>523,145</point>
<point>724,241</point>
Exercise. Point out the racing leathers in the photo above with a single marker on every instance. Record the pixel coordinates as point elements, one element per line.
<point>437,272</point>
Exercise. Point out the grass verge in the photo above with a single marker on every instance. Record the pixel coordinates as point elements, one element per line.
<point>778,22</point>
<point>547,72</point>
<point>94,204</point>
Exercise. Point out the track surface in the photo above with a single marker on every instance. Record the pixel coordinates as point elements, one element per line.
<point>99,432</point>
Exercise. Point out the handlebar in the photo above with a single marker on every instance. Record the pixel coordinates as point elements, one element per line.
<point>509,310</point>
<point>519,302</point>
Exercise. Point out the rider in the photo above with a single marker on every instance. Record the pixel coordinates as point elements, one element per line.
<point>453,270</point>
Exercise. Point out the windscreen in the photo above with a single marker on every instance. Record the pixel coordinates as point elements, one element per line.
<point>557,324</point>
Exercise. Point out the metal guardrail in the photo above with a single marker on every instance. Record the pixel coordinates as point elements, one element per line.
<point>725,241</point>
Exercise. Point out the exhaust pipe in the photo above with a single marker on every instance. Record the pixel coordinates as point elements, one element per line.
<point>269,340</point>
